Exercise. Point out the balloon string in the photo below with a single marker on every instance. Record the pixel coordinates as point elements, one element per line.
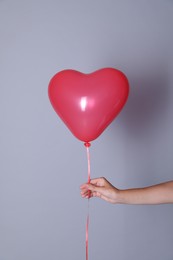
<point>87,145</point>
<point>88,158</point>
<point>87,226</point>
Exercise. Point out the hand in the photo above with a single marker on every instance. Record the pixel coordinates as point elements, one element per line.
<point>100,188</point>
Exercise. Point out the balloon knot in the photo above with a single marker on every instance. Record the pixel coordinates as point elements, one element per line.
<point>87,144</point>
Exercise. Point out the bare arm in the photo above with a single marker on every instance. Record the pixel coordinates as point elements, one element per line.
<point>157,194</point>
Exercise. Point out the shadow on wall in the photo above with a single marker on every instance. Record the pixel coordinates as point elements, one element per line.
<point>142,121</point>
<point>147,104</point>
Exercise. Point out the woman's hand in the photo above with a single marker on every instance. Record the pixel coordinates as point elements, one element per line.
<point>100,188</point>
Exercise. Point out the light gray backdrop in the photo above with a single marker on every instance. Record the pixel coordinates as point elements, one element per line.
<point>42,216</point>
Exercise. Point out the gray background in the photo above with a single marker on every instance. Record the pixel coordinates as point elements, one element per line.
<point>42,215</point>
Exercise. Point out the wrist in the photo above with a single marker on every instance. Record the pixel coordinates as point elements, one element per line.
<point>120,198</point>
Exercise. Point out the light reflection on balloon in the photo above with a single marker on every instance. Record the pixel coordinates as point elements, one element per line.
<point>83,103</point>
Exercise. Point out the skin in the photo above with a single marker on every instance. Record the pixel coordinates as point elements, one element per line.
<point>157,194</point>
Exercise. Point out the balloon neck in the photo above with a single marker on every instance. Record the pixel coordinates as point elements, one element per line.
<point>87,144</point>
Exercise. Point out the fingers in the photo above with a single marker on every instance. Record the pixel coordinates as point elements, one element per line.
<point>98,182</point>
<point>100,188</point>
<point>93,189</point>
<point>89,194</point>
<point>86,194</point>
<point>85,191</point>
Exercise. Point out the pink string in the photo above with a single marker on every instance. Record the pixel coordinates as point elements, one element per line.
<point>87,145</point>
<point>87,226</point>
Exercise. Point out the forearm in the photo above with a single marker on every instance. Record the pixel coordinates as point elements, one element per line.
<point>157,194</point>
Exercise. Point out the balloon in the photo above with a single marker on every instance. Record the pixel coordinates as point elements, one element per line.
<point>88,103</point>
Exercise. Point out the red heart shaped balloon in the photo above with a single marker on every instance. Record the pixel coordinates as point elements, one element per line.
<point>88,103</point>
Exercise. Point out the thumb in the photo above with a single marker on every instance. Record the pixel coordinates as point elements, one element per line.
<point>92,187</point>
